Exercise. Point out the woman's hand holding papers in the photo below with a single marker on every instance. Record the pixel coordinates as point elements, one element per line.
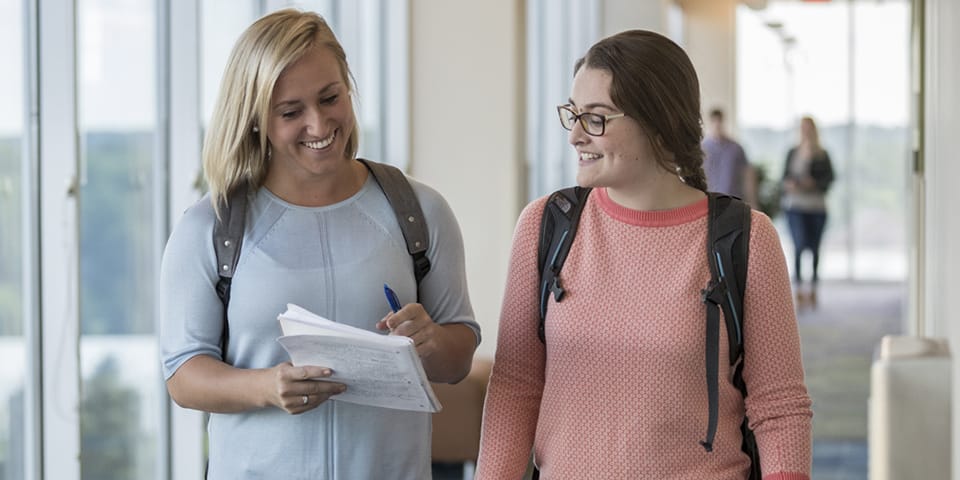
<point>298,389</point>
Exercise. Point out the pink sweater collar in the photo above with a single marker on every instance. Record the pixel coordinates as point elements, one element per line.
<point>655,218</point>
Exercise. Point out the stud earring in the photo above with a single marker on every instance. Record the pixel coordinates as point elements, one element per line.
<point>256,129</point>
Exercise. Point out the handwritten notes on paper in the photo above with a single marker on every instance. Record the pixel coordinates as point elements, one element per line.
<point>379,370</point>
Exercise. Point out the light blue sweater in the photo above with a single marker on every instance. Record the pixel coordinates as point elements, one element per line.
<point>332,260</point>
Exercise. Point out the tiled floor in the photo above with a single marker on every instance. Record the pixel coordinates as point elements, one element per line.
<point>839,459</point>
<point>449,471</point>
<point>839,338</point>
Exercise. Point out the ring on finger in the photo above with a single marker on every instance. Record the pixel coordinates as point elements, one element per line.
<point>306,399</point>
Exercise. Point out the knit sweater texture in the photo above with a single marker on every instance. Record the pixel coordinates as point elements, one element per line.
<point>619,389</point>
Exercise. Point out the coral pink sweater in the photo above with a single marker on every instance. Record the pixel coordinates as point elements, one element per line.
<point>620,390</point>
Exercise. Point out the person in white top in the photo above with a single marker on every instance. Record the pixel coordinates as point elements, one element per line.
<point>807,177</point>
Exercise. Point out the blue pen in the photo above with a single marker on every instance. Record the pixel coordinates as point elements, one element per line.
<point>391,298</point>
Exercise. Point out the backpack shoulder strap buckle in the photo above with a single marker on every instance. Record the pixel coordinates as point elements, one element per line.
<point>715,293</point>
<point>556,288</point>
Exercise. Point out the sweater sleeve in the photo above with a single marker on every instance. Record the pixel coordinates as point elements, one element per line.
<point>777,404</point>
<point>516,382</point>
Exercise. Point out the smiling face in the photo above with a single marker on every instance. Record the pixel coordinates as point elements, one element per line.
<point>310,120</point>
<point>622,157</point>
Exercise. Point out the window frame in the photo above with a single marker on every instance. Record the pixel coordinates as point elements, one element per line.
<point>558,33</point>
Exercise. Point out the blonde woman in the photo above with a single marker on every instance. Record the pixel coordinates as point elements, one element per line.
<point>321,234</point>
<point>807,177</point>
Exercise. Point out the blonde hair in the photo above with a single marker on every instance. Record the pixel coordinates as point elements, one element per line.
<point>810,138</point>
<point>236,148</point>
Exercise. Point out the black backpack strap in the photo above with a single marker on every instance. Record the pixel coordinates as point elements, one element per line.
<point>228,230</point>
<point>227,238</point>
<point>728,229</point>
<point>406,207</point>
<point>729,253</point>
<point>558,226</point>
<point>733,250</point>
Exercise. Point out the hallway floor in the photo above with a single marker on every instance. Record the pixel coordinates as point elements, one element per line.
<point>839,338</point>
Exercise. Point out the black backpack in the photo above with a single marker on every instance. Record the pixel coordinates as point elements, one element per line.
<point>228,231</point>
<point>728,241</point>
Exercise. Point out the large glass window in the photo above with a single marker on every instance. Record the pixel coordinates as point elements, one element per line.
<point>852,78</point>
<point>222,21</point>
<point>558,33</point>
<point>117,97</point>
<point>846,64</point>
<point>13,351</point>
<point>358,26</point>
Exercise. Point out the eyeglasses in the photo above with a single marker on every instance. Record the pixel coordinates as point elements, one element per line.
<point>593,123</point>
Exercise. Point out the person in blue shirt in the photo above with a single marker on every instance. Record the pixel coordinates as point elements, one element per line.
<point>725,163</point>
<point>320,234</point>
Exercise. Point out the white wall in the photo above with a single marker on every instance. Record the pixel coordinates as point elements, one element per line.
<point>620,15</point>
<point>710,38</point>
<point>467,130</point>
<point>942,222</point>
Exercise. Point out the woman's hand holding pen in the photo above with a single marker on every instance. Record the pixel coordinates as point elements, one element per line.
<point>446,350</point>
<point>413,321</point>
<point>297,390</point>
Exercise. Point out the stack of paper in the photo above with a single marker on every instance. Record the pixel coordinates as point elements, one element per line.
<point>378,370</point>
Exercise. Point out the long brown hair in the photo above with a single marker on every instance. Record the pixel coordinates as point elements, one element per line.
<point>655,83</point>
<point>809,136</point>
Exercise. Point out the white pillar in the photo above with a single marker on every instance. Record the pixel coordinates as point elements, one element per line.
<point>59,240</point>
<point>710,38</point>
<point>942,172</point>
<point>468,129</point>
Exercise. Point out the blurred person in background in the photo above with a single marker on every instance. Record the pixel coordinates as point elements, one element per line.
<point>725,162</point>
<point>807,176</point>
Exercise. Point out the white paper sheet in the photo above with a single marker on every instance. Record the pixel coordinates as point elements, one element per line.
<point>379,370</point>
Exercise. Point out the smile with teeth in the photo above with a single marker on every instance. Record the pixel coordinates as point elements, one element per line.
<point>322,143</point>
<point>589,156</point>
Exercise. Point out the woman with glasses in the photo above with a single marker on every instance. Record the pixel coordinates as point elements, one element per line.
<point>616,389</point>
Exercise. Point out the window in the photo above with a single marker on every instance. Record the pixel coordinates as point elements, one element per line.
<point>135,80</point>
<point>222,22</point>
<point>854,81</point>
<point>13,338</point>
<point>558,33</point>
<point>117,114</point>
